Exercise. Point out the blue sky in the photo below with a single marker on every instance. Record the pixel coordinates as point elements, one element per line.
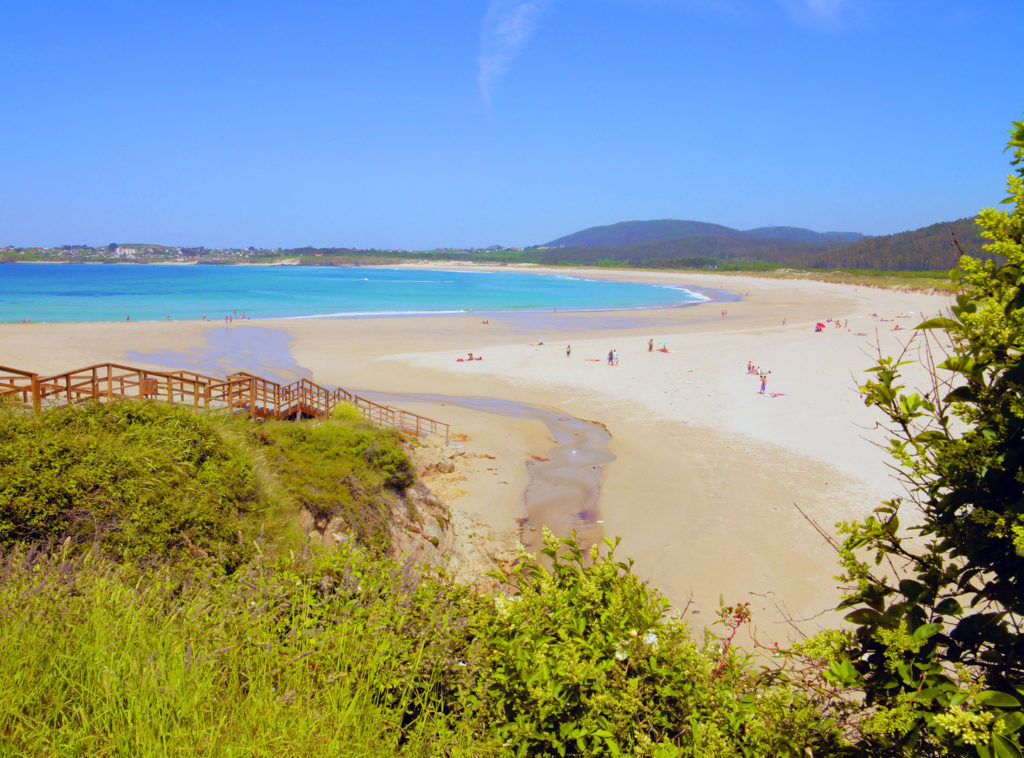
<point>422,123</point>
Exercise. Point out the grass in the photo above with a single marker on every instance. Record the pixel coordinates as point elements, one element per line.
<point>99,659</point>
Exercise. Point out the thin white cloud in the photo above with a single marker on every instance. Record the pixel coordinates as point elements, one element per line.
<point>820,12</point>
<point>507,27</point>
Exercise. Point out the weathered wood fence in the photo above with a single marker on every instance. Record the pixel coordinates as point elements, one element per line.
<point>240,392</point>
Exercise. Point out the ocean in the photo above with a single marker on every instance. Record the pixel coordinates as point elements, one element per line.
<point>96,292</point>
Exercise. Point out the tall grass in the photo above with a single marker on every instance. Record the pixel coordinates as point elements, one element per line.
<point>301,658</point>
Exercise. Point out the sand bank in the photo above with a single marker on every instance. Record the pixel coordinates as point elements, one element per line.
<point>706,469</point>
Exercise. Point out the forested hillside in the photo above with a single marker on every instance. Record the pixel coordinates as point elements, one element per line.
<point>930,248</point>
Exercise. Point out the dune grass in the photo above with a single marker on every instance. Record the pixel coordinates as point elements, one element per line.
<point>97,658</point>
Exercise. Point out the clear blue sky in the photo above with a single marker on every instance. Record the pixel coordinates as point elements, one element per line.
<point>422,123</point>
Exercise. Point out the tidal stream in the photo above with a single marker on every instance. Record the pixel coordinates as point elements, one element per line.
<point>562,491</point>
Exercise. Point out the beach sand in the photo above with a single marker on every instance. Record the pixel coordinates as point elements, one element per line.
<point>707,471</point>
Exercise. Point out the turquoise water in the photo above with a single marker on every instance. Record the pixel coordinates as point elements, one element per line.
<point>83,292</point>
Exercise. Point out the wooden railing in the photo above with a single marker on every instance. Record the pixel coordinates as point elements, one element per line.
<point>239,392</point>
<point>20,386</point>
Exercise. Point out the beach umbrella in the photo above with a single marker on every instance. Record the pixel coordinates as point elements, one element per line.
<point>820,325</point>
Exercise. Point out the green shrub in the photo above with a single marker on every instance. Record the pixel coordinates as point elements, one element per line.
<point>938,649</point>
<point>340,469</point>
<point>346,412</point>
<point>585,660</point>
<point>145,480</point>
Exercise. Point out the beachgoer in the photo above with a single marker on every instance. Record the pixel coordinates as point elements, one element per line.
<point>615,357</point>
<point>611,355</point>
<point>764,382</point>
<point>650,344</point>
<point>568,350</point>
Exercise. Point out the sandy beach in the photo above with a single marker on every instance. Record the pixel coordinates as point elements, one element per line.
<point>706,469</point>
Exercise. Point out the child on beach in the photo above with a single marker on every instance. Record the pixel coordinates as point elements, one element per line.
<point>764,382</point>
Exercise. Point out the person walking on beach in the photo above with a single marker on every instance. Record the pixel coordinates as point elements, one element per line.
<point>611,354</point>
<point>568,350</point>
<point>650,345</point>
<point>615,357</point>
<point>764,382</point>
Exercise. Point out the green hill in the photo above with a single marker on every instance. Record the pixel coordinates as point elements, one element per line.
<point>928,248</point>
<point>679,244</point>
<point>799,234</point>
<point>631,233</point>
<point>627,233</point>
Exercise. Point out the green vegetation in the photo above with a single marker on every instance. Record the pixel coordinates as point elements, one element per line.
<point>312,655</point>
<point>937,650</point>
<point>351,470</point>
<point>145,481</point>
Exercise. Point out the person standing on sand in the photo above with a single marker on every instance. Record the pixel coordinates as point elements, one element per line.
<point>764,383</point>
<point>650,345</point>
<point>615,357</point>
<point>610,356</point>
<point>568,350</point>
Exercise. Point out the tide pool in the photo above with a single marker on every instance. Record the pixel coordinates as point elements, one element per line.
<point>90,292</point>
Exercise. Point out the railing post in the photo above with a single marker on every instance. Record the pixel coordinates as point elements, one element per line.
<point>37,402</point>
<point>108,383</point>
<point>252,397</point>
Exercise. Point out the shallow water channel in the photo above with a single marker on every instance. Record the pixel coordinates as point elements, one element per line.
<point>562,491</point>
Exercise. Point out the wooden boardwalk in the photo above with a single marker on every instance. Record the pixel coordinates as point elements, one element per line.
<point>238,393</point>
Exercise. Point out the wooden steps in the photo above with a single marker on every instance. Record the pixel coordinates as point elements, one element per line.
<point>240,392</point>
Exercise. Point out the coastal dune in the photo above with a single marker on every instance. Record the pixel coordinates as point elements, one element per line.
<point>707,471</point>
